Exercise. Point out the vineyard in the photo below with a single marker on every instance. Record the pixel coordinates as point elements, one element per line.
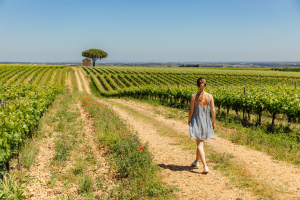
<point>26,92</point>
<point>244,92</point>
<point>253,98</point>
<point>20,113</point>
<point>241,91</point>
<point>33,75</point>
<point>109,79</point>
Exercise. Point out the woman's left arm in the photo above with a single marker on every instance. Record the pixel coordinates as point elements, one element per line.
<point>213,112</point>
<point>191,108</point>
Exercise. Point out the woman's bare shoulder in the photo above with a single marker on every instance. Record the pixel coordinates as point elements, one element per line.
<point>211,97</point>
<point>193,96</point>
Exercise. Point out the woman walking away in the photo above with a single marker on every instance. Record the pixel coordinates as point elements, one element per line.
<point>200,124</point>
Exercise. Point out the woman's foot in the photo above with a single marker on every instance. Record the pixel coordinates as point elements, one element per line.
<point>195,164</point>
<point>205,170</point>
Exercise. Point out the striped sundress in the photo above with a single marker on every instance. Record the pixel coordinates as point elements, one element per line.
<point>201,125</point>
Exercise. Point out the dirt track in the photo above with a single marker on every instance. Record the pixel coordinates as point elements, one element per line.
<point>176,165</point>
<point>78,81</point>
<point>283,177</point>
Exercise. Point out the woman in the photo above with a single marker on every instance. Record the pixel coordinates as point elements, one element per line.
<point>199,121</point>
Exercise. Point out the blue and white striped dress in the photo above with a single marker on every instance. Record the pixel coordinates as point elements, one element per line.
<point>200,125</point>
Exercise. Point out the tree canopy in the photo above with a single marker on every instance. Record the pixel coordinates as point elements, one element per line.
<point>94,54</point>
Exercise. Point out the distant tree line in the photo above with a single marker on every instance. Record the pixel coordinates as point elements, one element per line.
<point>197,65</point>
<point>287,69</point>
<point>189,65</point>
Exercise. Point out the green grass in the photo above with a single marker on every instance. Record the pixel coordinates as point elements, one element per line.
<point>28,153</point>
<point>86,185</point>
<point>52,182</point>
<point>279,145</point>
<point>13,187</point>
<point>73,79</point>
<point>63,148</point>
<point>65,119</point>
<point>94,89</point>
<point>79,166</point>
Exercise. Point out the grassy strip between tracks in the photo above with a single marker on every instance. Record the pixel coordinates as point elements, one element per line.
<point>227,164</point>
<point>136,174</point>
<point>73,78</point>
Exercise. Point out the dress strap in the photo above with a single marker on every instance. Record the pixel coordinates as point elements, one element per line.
<point>196,94</point>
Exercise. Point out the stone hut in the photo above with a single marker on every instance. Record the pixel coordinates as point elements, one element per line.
<point>86,62</point>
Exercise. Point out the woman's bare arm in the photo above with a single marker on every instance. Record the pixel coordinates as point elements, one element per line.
<point>191,108</point>
<point>212,110</point>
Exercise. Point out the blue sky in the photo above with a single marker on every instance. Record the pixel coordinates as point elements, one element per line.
<point>150,31</point>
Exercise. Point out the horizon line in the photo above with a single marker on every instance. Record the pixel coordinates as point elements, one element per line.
<point>157,62</point>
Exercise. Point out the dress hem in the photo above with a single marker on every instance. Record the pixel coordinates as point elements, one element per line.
<point>202,139</point>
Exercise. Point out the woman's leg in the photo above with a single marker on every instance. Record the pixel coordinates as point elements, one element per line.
<point>200,154</point>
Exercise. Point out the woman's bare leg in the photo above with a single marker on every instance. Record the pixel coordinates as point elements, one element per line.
<point>200,154</point>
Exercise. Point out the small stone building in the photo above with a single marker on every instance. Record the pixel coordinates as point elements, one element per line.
<point>86,62</point>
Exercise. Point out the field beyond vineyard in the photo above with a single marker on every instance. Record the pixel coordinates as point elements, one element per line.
<point>121,133</point>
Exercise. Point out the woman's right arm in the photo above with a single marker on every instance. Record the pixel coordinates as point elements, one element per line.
<point>213,112</point>
<point>191,108</point>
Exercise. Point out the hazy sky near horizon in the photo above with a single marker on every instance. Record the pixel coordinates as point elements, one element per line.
<point>150,31</point>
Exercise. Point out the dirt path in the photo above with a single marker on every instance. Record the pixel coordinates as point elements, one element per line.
<point>84,82</point>
<point>42,81</point>
<point>14,76</point>
<point>41,170</point>
<point>51,81</point>
<point>78,81</point>
<point>284,177</point>
<point>102,167</point>
<point>68,81</point>
<point>29,77</point>
<point>176,169</point>
<point>49,181</point>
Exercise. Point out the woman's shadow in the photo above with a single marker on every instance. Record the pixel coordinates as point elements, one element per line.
<point>181,168</point>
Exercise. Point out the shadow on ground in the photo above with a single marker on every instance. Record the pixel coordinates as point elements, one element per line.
<point>180,168</point>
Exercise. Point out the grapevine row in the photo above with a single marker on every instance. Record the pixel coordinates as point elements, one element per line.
<point>19,74</point>
<point>19,117</point>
